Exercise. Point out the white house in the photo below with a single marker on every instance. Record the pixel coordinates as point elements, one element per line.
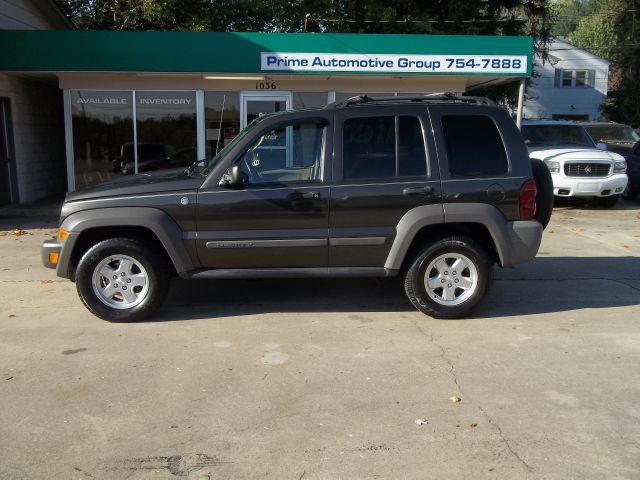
<point>571,85</point>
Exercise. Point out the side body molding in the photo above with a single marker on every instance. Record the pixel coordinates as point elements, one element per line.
<point>157,221</point>
<point>408,226</point>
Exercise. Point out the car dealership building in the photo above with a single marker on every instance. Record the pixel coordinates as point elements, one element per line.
<point>139,101</point>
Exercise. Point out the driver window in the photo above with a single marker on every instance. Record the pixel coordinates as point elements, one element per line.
<point>286,154</point>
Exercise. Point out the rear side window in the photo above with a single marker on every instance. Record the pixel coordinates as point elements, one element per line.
<point>383,147</point>
<point>412,159</point>
<point>474,146</point>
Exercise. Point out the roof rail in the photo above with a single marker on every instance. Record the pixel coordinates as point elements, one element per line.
<point>433,98</point>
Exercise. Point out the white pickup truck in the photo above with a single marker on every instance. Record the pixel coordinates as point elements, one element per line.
<point>579,167</point>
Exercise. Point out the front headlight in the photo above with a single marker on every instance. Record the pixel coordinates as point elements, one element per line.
<point>554,167</point>
<point>620,167</point>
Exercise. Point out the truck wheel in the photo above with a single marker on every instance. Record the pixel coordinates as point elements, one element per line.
<point>449,278</point>
<point>122,280</point>
<point>608,202</point>
<point>544,197</point>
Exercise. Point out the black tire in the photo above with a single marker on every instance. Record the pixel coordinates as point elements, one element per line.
<point>109,254</point>
<point>416,290</point>
<point>608,202</point>
<point>544,197</point>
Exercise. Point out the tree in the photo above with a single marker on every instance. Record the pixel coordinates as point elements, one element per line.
<point>596,32</point>
<point>624,103</point>
<point>471,17</point>
<point>566,14</point>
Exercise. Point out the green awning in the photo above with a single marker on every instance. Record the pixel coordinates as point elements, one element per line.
<point>273,53</point>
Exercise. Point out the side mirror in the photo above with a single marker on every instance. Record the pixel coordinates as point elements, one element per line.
<point>601,146</point>
<point>234,178</point>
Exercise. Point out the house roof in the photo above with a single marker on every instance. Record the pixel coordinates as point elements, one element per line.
<point>562,51</point>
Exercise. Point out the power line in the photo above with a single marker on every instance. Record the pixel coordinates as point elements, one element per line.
<point>475,20</point>
<point>624,45</point>
<point>594,14</point>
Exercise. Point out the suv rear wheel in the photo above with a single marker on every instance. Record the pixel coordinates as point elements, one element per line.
<point>449,278</point>
<point>120,279</point>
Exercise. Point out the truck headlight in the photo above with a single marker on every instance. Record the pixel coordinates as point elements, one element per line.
<point>554,167</point>
<point>620,167</point>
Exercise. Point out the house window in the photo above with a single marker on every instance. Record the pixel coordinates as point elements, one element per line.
<point>574,78</point>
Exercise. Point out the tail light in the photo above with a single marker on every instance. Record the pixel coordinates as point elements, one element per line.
<point>528,193</point>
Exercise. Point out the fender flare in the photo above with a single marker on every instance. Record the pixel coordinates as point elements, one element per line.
<point>155,220</point>
<point>515,241</point>
<point>408,227</point>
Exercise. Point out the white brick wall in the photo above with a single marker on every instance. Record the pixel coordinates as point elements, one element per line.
<point>38,136</point>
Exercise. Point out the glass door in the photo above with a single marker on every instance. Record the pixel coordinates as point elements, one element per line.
<point>254,104</point>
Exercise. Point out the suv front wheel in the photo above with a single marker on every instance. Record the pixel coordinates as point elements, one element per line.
<point>121,279</point>
<point>449,278</point>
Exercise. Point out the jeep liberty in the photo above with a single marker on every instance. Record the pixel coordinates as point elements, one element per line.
<point>434,190</point>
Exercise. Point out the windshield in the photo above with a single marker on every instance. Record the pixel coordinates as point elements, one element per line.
<point>556,136</point>
<point>210,164</point>
<point>612,133</point>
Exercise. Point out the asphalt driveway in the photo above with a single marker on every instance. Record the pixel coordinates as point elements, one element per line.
<point>330,379</point>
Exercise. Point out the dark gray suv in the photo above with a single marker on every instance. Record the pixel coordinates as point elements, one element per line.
<point>434,190</point>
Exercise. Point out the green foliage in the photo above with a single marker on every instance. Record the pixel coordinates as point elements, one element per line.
<point>479,17</point>
<point>596,32</point>
<point>566,14</point>
<point>624,103</point>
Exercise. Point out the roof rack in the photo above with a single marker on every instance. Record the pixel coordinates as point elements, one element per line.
<point>433,98</point>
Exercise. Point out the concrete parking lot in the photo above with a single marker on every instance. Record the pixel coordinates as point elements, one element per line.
<point>331,379</point>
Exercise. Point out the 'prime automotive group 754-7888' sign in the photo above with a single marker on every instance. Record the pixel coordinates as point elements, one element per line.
<point>450,64</point>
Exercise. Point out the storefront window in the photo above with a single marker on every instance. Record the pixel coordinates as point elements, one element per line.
<point>222,120</point>
<point>166,131</point>
<point>102,128</point>
<point>309,99</point>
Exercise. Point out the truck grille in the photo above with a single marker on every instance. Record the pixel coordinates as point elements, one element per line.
<point>586,169</point>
